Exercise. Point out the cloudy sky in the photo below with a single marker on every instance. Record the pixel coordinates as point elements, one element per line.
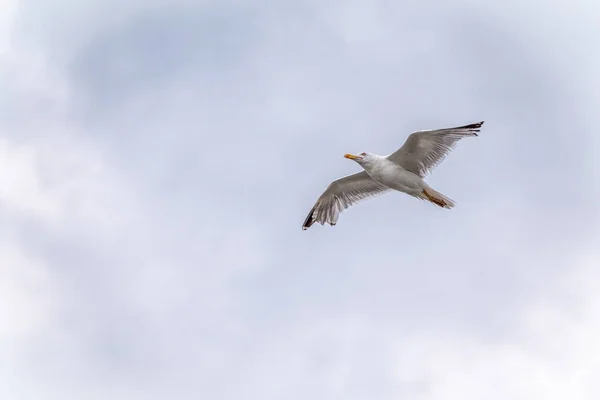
<point>158,157</point>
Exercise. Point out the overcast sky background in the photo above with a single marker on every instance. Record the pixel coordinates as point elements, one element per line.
<point>158,157</point>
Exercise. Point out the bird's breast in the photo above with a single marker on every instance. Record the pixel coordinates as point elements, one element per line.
<point>394,176</point>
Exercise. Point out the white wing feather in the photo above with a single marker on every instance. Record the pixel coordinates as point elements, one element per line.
<point>341,194</point>
<point>424,150</point>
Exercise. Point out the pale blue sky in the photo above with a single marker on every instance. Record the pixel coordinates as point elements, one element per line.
<point>158,159</point>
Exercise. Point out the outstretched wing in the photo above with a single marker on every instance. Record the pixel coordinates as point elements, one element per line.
<point>341,194</point>
<point>424,150</point>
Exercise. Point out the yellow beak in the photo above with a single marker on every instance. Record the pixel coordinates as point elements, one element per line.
<point>351,156</point>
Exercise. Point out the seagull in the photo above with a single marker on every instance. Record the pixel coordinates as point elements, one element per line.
<point>403,171</point>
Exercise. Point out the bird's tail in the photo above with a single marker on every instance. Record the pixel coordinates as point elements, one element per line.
<point>437,198</point>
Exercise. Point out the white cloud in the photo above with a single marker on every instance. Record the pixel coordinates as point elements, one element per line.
<point>130,270</point>
<point>552,351</point>
<point>28,296</point>
<point>89,258</point>
<point>20,184</point>
<point>7,11</point>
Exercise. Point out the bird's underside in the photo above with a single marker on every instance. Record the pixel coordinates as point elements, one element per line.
<point>420,154</point>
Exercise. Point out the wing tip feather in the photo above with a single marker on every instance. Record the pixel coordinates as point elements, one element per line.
<point>472,128</point>
<point>309,220</point>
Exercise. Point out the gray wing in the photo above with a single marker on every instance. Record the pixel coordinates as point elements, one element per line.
<point>424,150</point>
<point>341,194</point>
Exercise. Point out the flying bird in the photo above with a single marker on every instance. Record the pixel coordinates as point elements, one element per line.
<point>403,170</point>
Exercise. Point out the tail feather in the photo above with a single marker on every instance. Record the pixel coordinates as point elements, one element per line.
<point>437,198</point>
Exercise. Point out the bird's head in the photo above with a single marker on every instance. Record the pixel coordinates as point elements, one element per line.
<point>362,158</point>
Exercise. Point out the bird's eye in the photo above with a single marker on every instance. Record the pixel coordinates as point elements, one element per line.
<point>363,154</point>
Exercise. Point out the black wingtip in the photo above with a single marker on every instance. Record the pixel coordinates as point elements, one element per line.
<point>309,220</point>
<point>474,128</point>
<point>476,125</point>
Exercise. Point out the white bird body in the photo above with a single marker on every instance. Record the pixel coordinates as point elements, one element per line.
<point>403,171</point>
<point>394,176</point>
